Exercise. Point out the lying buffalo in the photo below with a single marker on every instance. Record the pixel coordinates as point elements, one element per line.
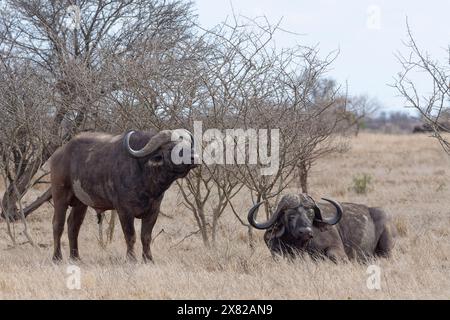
<point>298,225</point>
<point>128,173</point>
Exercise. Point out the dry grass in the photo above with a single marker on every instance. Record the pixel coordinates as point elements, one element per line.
<point>411,180</point>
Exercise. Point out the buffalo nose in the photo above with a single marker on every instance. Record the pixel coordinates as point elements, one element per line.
<point>306,232</point>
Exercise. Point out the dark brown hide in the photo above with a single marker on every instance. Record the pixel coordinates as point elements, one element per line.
<point>96,170</point>
<point>362,232</point>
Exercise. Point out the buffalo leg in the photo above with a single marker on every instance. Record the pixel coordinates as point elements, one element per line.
<point>385,243</point>
<point>59,218</point>
<point>127,223</point>
<point>385,231</point>
<point>336,254</point>
<point>74,222</point>
<point>146,236</point>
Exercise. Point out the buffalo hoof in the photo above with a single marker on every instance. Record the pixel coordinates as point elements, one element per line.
<point>57,259</point>
<point>147,259</point>
<point>75,259</point>
<point>131,258</point>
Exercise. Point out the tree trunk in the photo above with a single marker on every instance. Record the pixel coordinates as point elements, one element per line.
<point>9,204</point>
<point>205,238</point>
<point>303,176</point>
<point>358,126</point>
<point>214,227</point>
<point>18,187</point>
<point>111,226</point>
<point>251,242</point>
<point>203,227</point>
<point>22,182</point>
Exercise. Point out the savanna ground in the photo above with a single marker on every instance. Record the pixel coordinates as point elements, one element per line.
<point>410,179</point>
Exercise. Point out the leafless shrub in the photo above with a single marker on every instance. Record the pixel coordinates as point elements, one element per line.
<point>110,226</point>
<point>432,102</point>
<point>23,131</point>
<point>359,110</point>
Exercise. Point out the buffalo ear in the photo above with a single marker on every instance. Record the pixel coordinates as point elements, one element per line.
<point>322,226</point>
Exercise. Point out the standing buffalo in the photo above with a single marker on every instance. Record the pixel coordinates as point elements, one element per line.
<point>128,173</point>
<point>354,232</point>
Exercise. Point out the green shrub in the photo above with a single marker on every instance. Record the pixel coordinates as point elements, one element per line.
<point>362,183</point>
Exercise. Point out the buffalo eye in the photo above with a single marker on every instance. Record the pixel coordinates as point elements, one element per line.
<point>156,158</point>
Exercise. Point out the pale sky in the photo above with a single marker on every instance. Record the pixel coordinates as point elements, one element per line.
<point>367,33</point>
